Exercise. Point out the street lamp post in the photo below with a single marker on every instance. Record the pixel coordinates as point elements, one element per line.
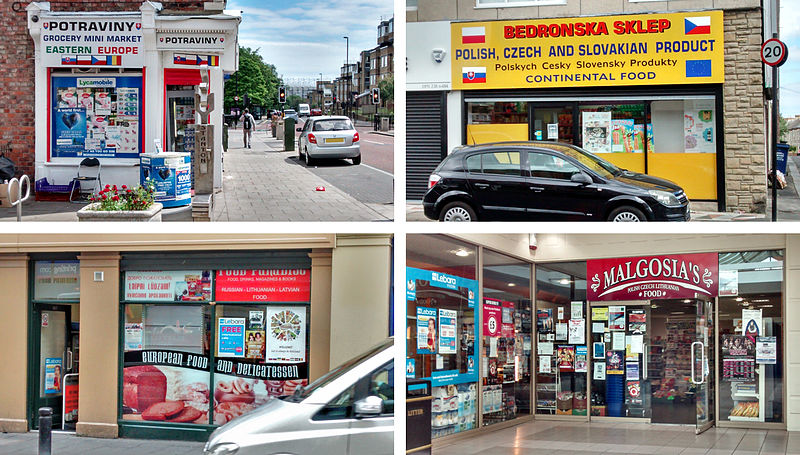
<point>347,70</point>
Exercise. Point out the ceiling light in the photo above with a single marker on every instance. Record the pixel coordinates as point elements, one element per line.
<point>687,301</point>
<point>564,281</point>
<point>511,285</point>
<point>739,299</point>
<point>461,253</point>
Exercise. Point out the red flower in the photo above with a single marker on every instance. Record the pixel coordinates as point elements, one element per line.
<point>104,197</point>
<point>128,190</point>
<point>124,187</point>
<point>108,186</point>
<point>115,198</point>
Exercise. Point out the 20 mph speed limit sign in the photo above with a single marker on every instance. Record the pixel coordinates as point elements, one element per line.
<point>774,52</point>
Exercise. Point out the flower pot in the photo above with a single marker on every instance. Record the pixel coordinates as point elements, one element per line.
<point>152,214</point>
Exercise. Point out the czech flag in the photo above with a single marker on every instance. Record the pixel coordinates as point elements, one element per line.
<point>700,25</point>
<point>201,60</point>
<point>473,35</point>
<point>84,60</point>
<point>99,60</point>
<point>473,75</point>
<point>69,60</point>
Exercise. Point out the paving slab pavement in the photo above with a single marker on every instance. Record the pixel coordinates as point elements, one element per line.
<point>69,443</point>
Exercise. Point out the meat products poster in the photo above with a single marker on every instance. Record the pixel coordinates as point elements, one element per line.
<point>230,337</point>
<point>234,395</point>
<point>165,386</point>
<point>271,285</point>
<point>286,334</point>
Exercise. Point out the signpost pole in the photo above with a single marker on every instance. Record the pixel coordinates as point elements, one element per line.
<point>774,144</point>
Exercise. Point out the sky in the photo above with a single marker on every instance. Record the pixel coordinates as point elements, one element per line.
<point>790,71</point>
<point>305,37</point>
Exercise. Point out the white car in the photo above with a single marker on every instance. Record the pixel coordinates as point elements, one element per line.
<point>328,137</point>
<point>303,110</point>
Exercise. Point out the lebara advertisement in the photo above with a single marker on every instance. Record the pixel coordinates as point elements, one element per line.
<point>96,117</point>
<point>426,330</point>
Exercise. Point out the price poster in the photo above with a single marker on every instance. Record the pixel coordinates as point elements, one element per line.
<point>492,317</point>
<point>581,359</point>
<point>426,330</point>
<point>230,337</point>
<point>447,331</point>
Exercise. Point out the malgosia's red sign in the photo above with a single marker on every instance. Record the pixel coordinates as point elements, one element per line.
<point>273,285</point>
<point>653,277</point>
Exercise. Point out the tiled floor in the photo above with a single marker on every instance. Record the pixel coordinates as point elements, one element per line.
<point>556,438</point>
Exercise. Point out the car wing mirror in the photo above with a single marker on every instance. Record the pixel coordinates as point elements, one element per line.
<point>581,178</point>
<point>370,406</point>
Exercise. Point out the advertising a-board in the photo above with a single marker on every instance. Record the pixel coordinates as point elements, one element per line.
<point>171,173</point>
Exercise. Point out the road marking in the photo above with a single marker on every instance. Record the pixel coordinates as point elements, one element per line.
<point>379,170</point>
<point>373,142</point>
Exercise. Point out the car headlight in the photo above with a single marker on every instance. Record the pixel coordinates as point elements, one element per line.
<point>665,198</point>
<point>226,448</point>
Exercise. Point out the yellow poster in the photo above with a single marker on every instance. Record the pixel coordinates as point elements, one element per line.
<point>600,314</point>
<point>650,49</point>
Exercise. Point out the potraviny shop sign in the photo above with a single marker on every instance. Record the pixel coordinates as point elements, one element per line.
<point>96,41</point>
<point>667,48</point>
<point>653,277</point>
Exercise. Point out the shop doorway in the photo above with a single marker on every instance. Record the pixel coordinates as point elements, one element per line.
<point>54,365</point>
<point>180,115</point>
<point>553,122</point>
<point>653,361</point>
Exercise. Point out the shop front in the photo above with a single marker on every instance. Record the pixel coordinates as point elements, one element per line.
<point>689,338</point>
<point>114,86</point>
<point>164,337</point>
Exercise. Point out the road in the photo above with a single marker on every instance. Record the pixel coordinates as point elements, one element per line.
<point>372,181</point>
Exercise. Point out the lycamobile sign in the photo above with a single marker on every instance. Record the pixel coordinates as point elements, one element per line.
<point>653,277</point>
<point>97,82</point>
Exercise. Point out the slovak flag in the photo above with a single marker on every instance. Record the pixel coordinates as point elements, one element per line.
<point>69,60</point>
<point>700,25</point>
<point>473,35</point>
<point>473,75</point>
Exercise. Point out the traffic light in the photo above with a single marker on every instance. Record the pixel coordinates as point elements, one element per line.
<point>334,99</point>
<point>376,95</point>
<point>282,94</point>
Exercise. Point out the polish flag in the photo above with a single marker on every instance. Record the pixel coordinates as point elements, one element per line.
<point>473,35</point>
<point>698,25</point>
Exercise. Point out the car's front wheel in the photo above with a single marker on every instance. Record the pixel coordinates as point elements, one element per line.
<point>626,214</point>
<point>457,211</point>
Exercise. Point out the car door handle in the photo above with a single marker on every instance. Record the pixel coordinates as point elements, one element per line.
<point>536,189</point>
<point>482,186</point>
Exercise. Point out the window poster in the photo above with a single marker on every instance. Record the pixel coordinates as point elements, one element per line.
<point>766,350</point>
<point>632,371</point>
<point>576,310</point>
<point>507,329</point>
<point>256,344</point>
<point>598,351</point>
<point>616,318</point>
<point>544,321</point>
<point>411,368</point>
<point>599,371</point>
<point>752,324</point>
<point>566,358</point>
<point>57,280</point>
<point>544,348</point>
<point>581,359</point>
<point>561,313</point>
<point>651,148</point>
<point>738,358</point>
<point>597,131</point>
<point>168,286</point>
<point>286,334</point>
<point>230,337</point>
<point>638,138</point>
<point>598,327</point>
<point>96,117</point>
<point>492,317</point>
<point>600,313</point>
<point>728,283</point>
<point>133,336</point>
<point>52,375</point>
<point>426,330</point>
<point>447,331</point>
<point>699,126</point>
<point>577,331</point>
<point>615,363</point>
<point>561,331</point>
<point>545,364</point>
<point>618,341</point>
<point>637,321</point>
<point>622,135</point>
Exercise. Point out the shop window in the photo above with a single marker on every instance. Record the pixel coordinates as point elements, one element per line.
<point>751,323</point>
<point>683,126</point>
<point>56,280</point>
<point>441,328</point>
<point>544,165</point>
<point>613,128</point>
<point>507,330</point>
<point>496,122</point>
<point>96,116</point>
<point>562,357</point>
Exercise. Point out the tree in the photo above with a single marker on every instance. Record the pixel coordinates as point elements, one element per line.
<point>292,101</point>
<point>783,127</point>
<point>386,86</point>
<point>256,79</point>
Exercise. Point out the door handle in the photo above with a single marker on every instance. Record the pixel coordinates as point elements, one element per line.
<point>68,366</point>
<point>536,189</point>
<point>694,366</point>
<point>482,186</point>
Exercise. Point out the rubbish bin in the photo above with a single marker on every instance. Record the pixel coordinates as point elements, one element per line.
<point>783,153</point>
<point>279,130</point>
<point>418,416</point>
<point>288,135</point>
<point>384,123</point>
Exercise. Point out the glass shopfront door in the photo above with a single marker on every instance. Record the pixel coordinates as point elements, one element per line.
<point>53,357</point>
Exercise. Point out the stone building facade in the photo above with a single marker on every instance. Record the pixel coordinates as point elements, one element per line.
<point>17,89</point>
<point>741,165</point>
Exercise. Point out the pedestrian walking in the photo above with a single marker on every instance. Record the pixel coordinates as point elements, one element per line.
<point>248,125</point>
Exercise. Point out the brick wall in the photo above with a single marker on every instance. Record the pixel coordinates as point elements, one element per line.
<point>743,105</point>
<point>16,70</point>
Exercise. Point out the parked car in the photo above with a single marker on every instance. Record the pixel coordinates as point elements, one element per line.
<point>328,137</point>
<point>316,111</point>
<point>546,181</point>
<point>349,411</point>
<point>291,113</point>
<point>304,110</point>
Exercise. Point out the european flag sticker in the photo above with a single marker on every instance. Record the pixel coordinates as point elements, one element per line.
<point>698,68</point>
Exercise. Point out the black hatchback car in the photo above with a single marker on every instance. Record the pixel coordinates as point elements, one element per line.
<point>546,181</point>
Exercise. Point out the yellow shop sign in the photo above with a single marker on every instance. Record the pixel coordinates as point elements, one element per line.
<point>651,49</point>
